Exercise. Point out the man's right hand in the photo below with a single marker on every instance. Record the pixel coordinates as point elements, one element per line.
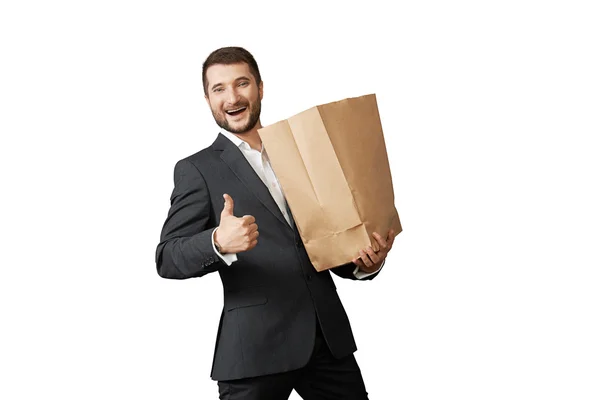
<point>234,235</point>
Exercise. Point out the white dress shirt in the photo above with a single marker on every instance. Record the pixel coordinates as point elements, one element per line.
<point>259,160</point>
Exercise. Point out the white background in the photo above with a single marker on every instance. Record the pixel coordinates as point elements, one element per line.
<point>490,113</point>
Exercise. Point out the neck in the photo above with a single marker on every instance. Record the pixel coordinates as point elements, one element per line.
<point>252,137</point>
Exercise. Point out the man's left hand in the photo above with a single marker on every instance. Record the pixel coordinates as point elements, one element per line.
<point>369,260</point>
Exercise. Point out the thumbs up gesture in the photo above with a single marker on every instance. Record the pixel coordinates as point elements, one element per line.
<point>234,234</point>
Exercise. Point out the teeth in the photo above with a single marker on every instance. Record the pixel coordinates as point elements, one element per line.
<point>236,110</point>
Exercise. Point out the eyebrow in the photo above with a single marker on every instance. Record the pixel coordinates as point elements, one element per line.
<point>240,78</point>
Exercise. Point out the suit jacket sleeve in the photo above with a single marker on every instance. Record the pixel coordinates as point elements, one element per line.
<point>185,249</point>
<point>347,271</point>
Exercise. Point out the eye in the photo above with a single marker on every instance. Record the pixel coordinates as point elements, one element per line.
<point>243,83</point>
<point>218,90</point>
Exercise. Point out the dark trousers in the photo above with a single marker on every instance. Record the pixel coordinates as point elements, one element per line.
<point>323,378</point>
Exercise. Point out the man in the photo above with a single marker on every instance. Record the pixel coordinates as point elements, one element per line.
<point>283,326</point>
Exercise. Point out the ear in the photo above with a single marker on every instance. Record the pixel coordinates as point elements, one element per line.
<point>207,100</point>
<point>260,90</point>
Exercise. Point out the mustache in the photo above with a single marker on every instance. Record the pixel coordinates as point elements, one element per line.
<point>238,105</point>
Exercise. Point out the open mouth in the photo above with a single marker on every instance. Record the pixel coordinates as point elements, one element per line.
<point>236,111</point>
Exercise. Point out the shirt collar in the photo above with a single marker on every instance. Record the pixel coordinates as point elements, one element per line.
<point>239,142</point>
<point>236,140</point>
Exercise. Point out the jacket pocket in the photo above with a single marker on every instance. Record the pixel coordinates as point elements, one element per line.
<point>244,298</point>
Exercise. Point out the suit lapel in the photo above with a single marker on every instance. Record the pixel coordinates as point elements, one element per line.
<point>233,157</point>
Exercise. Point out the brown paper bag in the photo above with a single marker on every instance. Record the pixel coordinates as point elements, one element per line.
<point>331,162</point>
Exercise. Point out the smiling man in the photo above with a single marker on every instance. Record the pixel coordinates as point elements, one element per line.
<point>283,326</point>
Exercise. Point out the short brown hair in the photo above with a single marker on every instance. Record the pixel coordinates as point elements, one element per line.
<point>227,56</point>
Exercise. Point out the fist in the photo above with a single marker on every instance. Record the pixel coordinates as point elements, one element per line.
<point>234,235</point>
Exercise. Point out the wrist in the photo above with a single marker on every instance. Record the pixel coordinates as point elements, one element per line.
<point>216,242</point>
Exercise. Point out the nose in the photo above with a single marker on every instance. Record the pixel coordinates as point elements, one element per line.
<point>232,96</point>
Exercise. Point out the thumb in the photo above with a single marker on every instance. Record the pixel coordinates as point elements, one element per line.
<point>228,207</point>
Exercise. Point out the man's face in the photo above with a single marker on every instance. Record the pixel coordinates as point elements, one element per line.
<point>234,97</point>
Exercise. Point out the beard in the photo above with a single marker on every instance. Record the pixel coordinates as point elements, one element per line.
<point>253,110</point>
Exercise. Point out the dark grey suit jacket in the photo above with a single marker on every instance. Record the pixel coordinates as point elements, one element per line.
<point>273,296</point>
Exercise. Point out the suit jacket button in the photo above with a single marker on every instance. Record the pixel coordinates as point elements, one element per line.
<point>308,277</point>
